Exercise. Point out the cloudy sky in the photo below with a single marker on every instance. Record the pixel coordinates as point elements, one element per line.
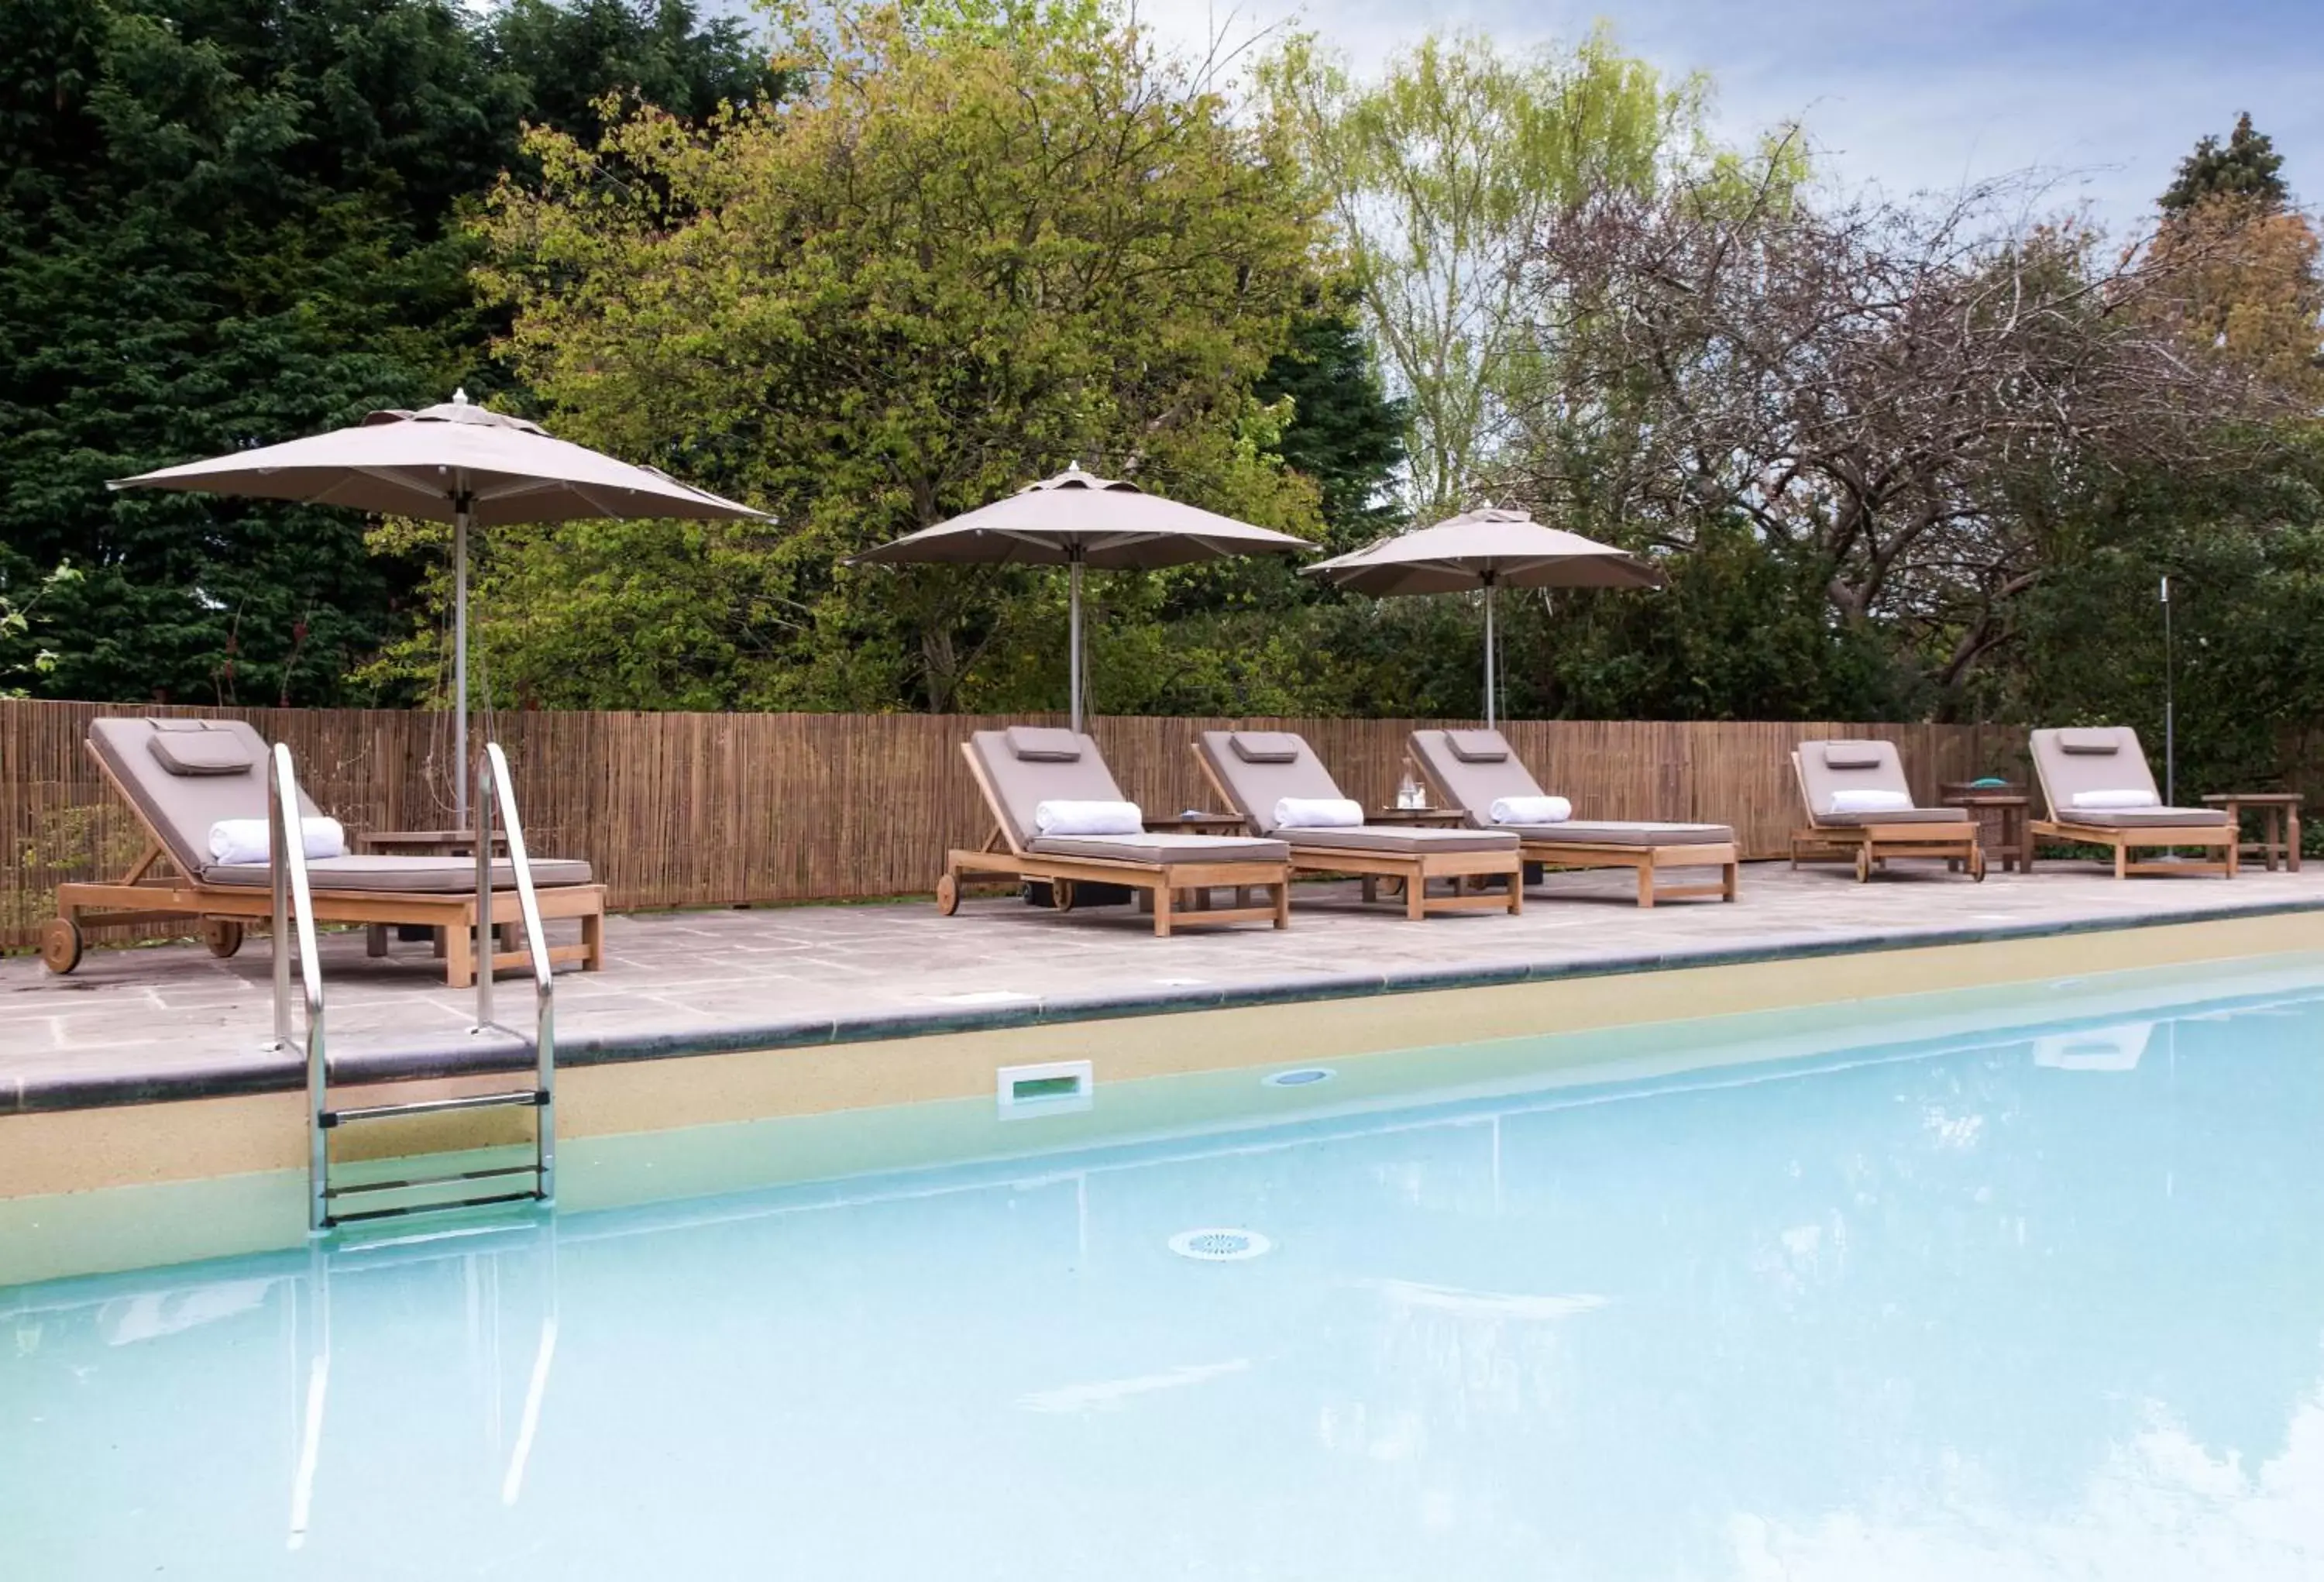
<point>1922,93</point>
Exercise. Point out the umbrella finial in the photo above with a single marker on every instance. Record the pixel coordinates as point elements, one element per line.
<point>461,396</point>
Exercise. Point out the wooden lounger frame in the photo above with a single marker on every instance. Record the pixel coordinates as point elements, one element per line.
<point>1161,885</point>
<point>1867,846</point>
<point>145,894</point>
<point>2224,838</point>
<point>1464,868</point>
<point>1646,860</point>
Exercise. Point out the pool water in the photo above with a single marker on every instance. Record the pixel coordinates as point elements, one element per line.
<point>2038,1302</point>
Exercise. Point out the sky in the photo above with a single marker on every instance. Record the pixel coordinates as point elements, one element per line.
<point>2104,96</point>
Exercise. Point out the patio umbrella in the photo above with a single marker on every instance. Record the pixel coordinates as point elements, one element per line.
<point>1078,520</point>
<point>452,463</point>
<point>1490,548</point>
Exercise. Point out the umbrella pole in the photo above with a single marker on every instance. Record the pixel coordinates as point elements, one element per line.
<point>460,660</point>
<point>1073,641</point>
<point>1489,650</point>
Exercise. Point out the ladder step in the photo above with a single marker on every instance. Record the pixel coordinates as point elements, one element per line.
<point>353,1187</point>
<point>533,1097</point>
<point>333,1219</point>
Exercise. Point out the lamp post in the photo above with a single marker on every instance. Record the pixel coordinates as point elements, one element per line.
<point>2170,719</point>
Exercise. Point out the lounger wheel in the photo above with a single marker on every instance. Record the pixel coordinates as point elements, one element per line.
<point>947,896</point>
<point>1060,894</point>
<point>60,945</point>
<point>223,935</point>
<point>1863,865</point>
<point>1976,866</point>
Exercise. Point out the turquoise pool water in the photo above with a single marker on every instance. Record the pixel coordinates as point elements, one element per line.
<point>2030,1303</point>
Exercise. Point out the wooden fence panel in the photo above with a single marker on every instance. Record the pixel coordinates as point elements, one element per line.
<point>697,809</point>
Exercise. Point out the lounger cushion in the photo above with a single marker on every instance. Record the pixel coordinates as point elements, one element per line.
<point>402,875</point>
<point>1900,815</point>
<point>2145,817</point>
<point>1038,744</point>
<point>2069,763</point>
<point>1255,787</point>
<point>1020,785</point>
<point>1399,840</point>
<point>1471,785</point>
<point>1477,746</point>
<point>179,808</point>
<point>1852,756</point>
<point>200,752</point>
<point>1267,746</point>
<point>1164,849</point>
<point>1618,832</point>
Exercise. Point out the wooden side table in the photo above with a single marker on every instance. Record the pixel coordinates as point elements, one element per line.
<point>1419,818</point>
<point>2010,807</point>
<point>2279,823</point>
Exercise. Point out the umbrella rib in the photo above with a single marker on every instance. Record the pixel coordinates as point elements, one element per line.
<point>381,474</point>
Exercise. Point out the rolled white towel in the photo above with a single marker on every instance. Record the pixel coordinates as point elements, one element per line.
<point>1871,800</point>
<point>1531,811</point>
<point>244,841</point>
<point>1318,813</point>
<point>2095,800</point>
<point>1065,817</point>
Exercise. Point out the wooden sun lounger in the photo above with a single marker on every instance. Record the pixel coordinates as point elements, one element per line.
<point>2112,753</point>
<point>1870,844</point>
<point>157,888</point>
<point>1646,852</point>
<point>1178,894</point>
<point>1415,870</point>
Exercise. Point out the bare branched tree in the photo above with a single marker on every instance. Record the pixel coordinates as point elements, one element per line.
<point>1900,395</point>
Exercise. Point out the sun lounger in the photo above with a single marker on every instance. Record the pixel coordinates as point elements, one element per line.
<point>2105,763</point>
<point>1255,769</point>
<point>1020,768</point>
<point>1828,770</point>
<point>1471,770</point>
<point>181,776</point>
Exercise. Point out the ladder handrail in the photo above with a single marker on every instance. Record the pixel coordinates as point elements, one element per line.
<point>295,905</point>
<point>495,792</point>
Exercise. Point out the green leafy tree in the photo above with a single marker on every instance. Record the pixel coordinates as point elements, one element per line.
<point>1438,176</point>
<point>967,255</point>
<point>231,222</point>
<point>1344,431</point>
<point>2243,168</point>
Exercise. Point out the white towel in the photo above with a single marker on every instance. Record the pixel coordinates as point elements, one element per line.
<point>2116,799</point>
<point>1064,818</point>
<point>1530,810</point>
<point>1318,813</point>
<point>1871,800</point>
<point>239,842</point>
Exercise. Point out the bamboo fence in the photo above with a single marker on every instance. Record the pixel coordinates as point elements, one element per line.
<point>722,810</point>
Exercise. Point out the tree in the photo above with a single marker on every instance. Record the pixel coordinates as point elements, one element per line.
<point>1903,399</point>
<point>228,222</point>
<point>967,255</point>
<point>570,54</point>
<point>1344,433</point>
<point>1438,175</point>
<point>2246,170</point>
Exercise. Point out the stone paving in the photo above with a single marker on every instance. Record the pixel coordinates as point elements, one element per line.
<point>171,1021</point>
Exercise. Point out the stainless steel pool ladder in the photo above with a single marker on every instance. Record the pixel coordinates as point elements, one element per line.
<point>293,906</point>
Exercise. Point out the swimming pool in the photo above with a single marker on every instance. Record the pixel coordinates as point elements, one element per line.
<point>2021,1301</point>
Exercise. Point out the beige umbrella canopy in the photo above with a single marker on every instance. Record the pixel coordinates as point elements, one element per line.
<point>1078,520</point>
<point>452,463</point>
<point>1490,548</point>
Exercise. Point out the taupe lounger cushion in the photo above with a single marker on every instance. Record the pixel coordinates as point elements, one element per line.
<point>1826,767</point>
<point>180,808</point>
<point>1400,840</point>
<point>1164,849</point>
<point>1478,747</point>
<point>1473,785</point>
<point>403,875</point>
<point>1256,788</point>
<point>1020,785</point>
<point>1040,744</point>
<point>1267,746</point>
<point>2076,760</point>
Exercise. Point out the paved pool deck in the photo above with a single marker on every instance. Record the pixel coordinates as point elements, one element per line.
<point>172,1022</point>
